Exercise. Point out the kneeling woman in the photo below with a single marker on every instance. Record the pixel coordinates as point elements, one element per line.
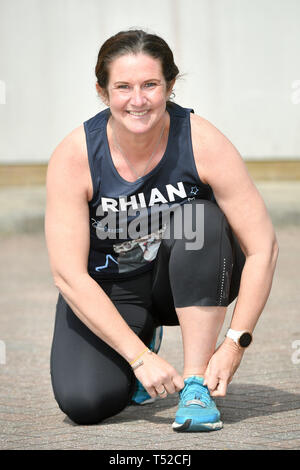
<point>123,273</point>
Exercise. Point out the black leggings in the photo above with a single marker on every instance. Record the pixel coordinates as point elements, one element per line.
<point>90,380</point>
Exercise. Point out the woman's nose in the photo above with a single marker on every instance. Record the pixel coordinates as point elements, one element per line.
<point>137,97</point>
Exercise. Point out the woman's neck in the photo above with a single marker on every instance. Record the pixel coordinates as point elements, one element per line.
<point>138,146</point>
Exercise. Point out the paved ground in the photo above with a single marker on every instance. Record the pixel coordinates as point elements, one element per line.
<point>261,409</point>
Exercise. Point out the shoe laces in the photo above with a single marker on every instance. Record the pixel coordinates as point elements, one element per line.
<point>194,393</point>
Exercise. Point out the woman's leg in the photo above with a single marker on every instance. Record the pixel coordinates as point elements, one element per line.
<point>200,285</point>
<point>194,287</point>
<point>90,380</point>
<point>200,327</point>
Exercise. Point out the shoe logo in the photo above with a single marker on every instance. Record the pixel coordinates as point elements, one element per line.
<point>195,402</point>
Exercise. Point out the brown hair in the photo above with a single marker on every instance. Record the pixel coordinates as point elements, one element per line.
<point>134,42</point>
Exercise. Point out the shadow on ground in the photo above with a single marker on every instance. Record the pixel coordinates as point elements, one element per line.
<point>243,401</point>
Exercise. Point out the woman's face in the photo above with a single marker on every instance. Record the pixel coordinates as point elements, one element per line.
<point>137,92</point>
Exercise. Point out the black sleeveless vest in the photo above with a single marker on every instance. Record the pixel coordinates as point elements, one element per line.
<point>127,219</point>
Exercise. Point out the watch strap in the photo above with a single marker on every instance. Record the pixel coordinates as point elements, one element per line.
<point>235,335</point>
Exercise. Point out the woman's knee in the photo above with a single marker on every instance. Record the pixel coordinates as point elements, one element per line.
<point>197,222</point>
<point>212,222</point>
<point>207,265</point>
<point>196,226</point>
<point>86,409</point>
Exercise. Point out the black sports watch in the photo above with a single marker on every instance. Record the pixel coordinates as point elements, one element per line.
<point>241,338</point>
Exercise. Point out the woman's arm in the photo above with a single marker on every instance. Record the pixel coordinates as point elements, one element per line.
<point>221,166</point>
<point>68,241</point>
<point>67,237</point>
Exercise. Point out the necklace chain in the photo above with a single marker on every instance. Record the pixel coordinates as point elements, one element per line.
<point>126,159</point>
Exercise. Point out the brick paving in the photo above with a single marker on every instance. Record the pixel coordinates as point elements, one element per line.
<point>260,411</point>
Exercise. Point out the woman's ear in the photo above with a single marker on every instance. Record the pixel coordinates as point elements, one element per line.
<point>170,88</point>
<point>103,94</point>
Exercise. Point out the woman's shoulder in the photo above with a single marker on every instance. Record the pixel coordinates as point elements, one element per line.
<point>73,143</point>
<point>206,132</point>
<point>211,148</point>
<point>70,158</point>
<point>71,150</point>
<point>208,137</point>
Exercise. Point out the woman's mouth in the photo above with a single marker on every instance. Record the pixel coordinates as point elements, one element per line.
<point>137,113</point>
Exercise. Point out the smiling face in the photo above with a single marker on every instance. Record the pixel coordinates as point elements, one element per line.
<point>137,92</point>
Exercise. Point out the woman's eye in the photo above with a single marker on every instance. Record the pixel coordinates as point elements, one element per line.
<point>150,85</point>
<point>123,87</point>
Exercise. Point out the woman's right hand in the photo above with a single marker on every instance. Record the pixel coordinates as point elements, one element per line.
<point>158,375</point>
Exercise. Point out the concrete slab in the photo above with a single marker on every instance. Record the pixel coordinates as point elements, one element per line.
<point>260,411</point>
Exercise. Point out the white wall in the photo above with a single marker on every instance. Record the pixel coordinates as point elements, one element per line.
<point>240,59</point>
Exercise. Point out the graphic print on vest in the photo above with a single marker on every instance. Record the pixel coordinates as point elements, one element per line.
<point>139,223</point>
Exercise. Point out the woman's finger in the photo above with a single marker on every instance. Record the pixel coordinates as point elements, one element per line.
<point>152,391</point>
<point>220,390</point>
<point>178,383</point>
<point>211,382</point>
<point>162,392</point>
<point>169,386</point>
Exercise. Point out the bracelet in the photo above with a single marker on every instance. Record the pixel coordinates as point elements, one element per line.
<point>138,364</point>
<point>145,350</point>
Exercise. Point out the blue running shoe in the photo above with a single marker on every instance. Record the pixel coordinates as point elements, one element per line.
<point>141,396</point>
<point>196,410</point>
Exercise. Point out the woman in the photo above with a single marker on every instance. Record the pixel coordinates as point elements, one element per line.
<point>126,193</point>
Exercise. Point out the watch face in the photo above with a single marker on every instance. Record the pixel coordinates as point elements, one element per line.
<point>245,340</point>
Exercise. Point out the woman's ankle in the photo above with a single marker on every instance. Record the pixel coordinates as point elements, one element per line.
<point>193,374</point>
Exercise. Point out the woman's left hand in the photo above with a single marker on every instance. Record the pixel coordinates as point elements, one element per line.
<point>222,367</point>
